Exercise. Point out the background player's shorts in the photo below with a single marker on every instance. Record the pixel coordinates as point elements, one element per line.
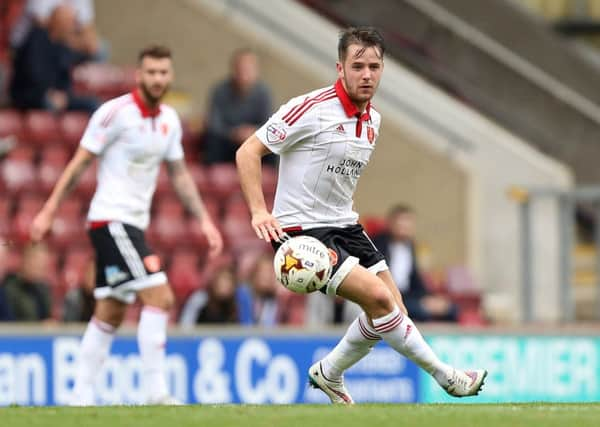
<point>351,245</point>
<point>124,263</point>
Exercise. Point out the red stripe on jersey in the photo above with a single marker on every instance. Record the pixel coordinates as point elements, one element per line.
<point>307,100</point>
<point>113,111</point>
<point>306,108</point>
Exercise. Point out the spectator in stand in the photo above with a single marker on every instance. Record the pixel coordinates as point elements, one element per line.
<point>84,40</point>
<point>398,246</point>
<point>27,292</point>
<point>79,302</point>
<point>238,106</point>
<point>42,67</point>
<point>215,304</point>
<point>262,302</point>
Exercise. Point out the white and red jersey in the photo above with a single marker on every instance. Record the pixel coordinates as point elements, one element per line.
<point>131,141</point>
<point>324,144</point>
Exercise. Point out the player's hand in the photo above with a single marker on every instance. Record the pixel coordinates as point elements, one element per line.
<point>267,227</point>
<point>41,225</point>
<point>215,241</point>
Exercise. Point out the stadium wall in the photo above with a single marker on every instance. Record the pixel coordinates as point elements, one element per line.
<point>451,163</point>
<point>269,367</point>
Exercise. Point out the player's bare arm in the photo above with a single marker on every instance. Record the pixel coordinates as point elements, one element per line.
<point>248,160</point>
<point>67,181</point>
<point>190,198</point>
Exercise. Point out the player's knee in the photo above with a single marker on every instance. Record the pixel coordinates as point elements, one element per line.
<point>382,301</point>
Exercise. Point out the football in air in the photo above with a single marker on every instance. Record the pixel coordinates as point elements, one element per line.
<point>302,264</point>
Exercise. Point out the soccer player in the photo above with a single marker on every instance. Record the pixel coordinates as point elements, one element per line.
<point>324,140</point>
<point>130,136</point>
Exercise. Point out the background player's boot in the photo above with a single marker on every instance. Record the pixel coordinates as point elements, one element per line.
<point>334,389</point>
<point>465,383</point>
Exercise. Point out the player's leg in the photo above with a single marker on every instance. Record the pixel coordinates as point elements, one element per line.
<point>398,330</point>
<point>95,348</point>
<point>152,336</point>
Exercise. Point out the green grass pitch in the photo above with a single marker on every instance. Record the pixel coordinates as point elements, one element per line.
<point>365,415</point>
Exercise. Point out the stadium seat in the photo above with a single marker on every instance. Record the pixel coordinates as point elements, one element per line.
<point>41,128</point>
<point>103,80</point>
<point>72,125</point>
<point>223,179</point>
<point>29,206</point>
<point>238,208</point>
<point>18,174</point>
<point>53,161</point>
<point>168,227</point>
<point>184,274</point>
<point>200,177</point>
<point>11,124</point>
<point>68,227</point>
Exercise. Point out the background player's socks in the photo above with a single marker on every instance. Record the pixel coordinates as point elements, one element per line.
<point>152,337</point>
<point>93,351</point>
<point>403,336</point>
<point>356,344</point>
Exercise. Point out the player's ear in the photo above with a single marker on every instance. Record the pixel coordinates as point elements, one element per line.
<point>340,69</point>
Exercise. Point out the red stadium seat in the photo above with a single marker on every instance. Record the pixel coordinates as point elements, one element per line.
<point>224,180</point>
<point>18,175</point>
<point>103,80</point>
<point>68,227</point>
<point>168,228</point>
<point>11,124</point>
<point>72,125</point>
<point>52,164</point>
<point>238,208</point>
<point>200,177</point>
<point>29,205</point>
<point>41,128</point>
<point>184,273</point>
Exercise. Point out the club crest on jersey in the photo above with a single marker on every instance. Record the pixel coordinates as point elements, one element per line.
<point>276,133</point>
<point>370,134</point>
<point>164,128</point>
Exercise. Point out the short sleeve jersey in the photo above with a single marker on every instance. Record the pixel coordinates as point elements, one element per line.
<point>324,144</point>
<point>131,141</point>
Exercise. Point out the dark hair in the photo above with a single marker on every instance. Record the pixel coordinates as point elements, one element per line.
<point>241,52</point>
<point>154,51</point>
<point>365,36</point>
<point>400,209</point>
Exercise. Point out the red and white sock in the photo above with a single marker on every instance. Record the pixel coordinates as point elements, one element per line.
<point>354,345</point>
<point>152,338</point>
<point>93,351</point>
<point>402,335</point>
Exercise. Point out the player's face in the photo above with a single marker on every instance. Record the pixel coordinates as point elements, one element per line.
<point>154,77</point>
<point>360,72</point>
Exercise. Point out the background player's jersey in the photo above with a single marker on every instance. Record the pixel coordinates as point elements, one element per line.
<point>131,142</point>
<point>324,144</point>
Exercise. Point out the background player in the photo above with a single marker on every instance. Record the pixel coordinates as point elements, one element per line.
<point>130,135</point>
<point>324,140</point>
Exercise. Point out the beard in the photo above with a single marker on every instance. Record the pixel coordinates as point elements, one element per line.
<point>152,97</point>
<point>355,95</point>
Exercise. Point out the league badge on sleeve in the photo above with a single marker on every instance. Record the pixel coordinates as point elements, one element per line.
<point>276,133</point>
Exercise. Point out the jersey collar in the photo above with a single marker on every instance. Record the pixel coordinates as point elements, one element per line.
<point>144,109</point>
<point>349,107</point>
